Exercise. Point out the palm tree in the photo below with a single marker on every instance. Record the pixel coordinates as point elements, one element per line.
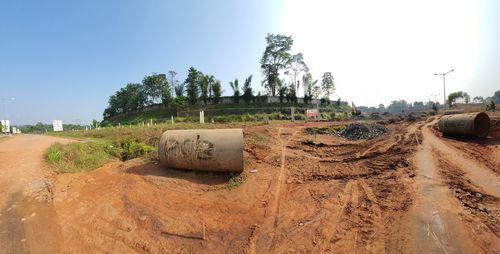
<point>247,89</point>
<point>236,89</point>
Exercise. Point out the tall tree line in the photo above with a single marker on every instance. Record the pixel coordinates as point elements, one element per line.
<point>282,74</point>
<point>160,89</point>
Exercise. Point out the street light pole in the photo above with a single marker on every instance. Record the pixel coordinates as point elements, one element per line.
<point>3,107</point>
<point>444,87</point>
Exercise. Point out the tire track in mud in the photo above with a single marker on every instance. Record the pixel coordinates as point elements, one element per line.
<point>276,203</point>
<point>345,227</point>
<point>433,223</point>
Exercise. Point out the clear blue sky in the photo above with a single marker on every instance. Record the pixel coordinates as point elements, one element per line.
<point>63,59</point>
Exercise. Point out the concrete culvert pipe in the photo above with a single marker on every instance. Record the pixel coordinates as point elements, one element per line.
<point>219,150</point>
<point>471,124</point>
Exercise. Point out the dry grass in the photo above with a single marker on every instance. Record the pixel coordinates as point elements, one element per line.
<point>149,135</point>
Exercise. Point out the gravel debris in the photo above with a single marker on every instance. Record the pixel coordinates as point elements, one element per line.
<point>356,131</point>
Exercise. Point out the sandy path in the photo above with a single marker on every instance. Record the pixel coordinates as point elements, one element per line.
<point>26,225</point>
<point>479,174</point>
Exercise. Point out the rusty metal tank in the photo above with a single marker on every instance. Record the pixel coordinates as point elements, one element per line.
<point>471,124</point>
<point>219,150</point>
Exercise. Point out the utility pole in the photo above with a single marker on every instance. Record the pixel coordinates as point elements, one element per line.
<point>444,87</point>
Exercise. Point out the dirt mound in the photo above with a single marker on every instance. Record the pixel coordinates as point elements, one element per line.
<point>356,131</point>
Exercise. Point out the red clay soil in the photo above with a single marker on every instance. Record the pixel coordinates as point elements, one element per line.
<point>300,193</point>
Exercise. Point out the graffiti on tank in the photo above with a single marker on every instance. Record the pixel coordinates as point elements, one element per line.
<point>189,148</point>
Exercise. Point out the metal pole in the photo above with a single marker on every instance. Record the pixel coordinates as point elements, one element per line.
<point>3,107</point>
<point>444,87</point>
<point>444,93</point>
<point>5,121</point>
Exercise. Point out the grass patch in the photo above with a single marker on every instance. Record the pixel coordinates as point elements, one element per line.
<point>260,137</point>
<point>235,180</point>
<point>87,156</point>
<point>54,153</point>
<point>76,157</point>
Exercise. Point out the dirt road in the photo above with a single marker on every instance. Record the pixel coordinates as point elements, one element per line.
<point>438,222</point>
<point>28,221</point>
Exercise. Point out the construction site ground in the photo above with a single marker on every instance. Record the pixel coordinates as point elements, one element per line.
<point>410,190</point>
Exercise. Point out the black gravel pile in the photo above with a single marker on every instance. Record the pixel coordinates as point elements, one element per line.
<point>356,131</point>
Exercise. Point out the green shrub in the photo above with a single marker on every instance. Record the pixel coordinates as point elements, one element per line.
<point>300,117</point>
<point>128,149</point>
<point>326,116</point>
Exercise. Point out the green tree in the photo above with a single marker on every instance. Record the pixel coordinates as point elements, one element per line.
<point>211,82</point>
<point>309,84</point>
<point>491,106</point>
<point>296,67</point>
<point>192,88</point>
<point>327,85</point>
<point>166,95</point>
<point>418,104</point>
<point>496,97</point>
<point>204,87</point>
<point>478,99</point>
<point>316,91</point>
<point>174,83</point>
<point>247,90</point>
<point>135,97</point>
<point>179,102</point>
<point>381,107</point>
<point>216,91</point>
<point>397,106</point>
<point>155,88</point>
<point>236,90</point>
<point>276,57</point>
<point>452,97</point>
<point>291,95</point>
<point>282,90</point>
<point>95,123</point>
<point>179,90</point>
<point>128,98</point>
<point>466,98</point>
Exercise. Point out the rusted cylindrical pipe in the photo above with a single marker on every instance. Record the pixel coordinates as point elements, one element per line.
<point>219,150</point>
<point>471,124</point>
